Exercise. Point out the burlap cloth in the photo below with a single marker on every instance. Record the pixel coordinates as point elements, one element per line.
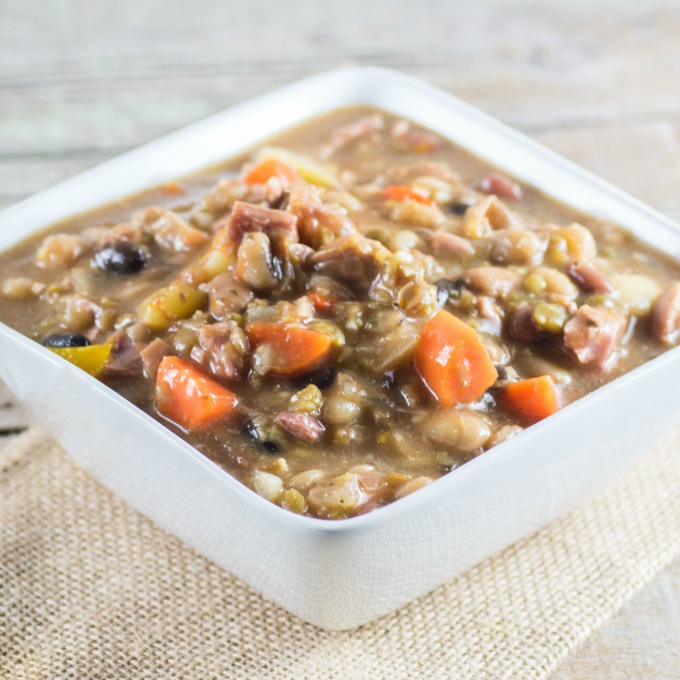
<point>90,589</point>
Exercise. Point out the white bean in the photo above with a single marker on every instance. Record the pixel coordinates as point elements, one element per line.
<point>460,429</point>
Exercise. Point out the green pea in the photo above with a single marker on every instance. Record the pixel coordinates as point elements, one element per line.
<point>549,317</point>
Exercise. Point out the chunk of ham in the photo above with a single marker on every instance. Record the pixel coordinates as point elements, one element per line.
<point>593,335</point>
<point>666,316</point>
<point>227,295</point>
<point>406,137</point>
<point>61,251</point>
<point>222,350</point>
<point>153,354</point>
<point>353,260</point>
<point>301,425</point>
<point>315,217</point>
<point>124,360</point>
<point>246,217</point>
<point>170,232</point>
<point>346,134</point>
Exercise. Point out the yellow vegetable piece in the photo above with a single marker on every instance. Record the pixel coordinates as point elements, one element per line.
<point>169,304</point>
<point>321,174</point>
<point>216,262</point>
<point>90,359</point>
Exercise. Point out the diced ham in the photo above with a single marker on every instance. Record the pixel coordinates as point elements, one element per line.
<point>314,216</point>
<point>124,360</point>
<point>593,335</point>
<point>124,231</point>
<point>346,134</point>
<point>301,425</point>
<point>212,212</point>
<point>502,186</point>
<point>589,278</point>
<point>666,316</point>
<point>496,282</point>
<point>487,216</point>
<point>405,137</point>
<point>61,251</point>
<point>246,217</point>
<point>170,232</point>
<point>450,244</point>
<point>353,260</point>
<point>222,349</point>
<point>153,354</point>
<point>227,295</point>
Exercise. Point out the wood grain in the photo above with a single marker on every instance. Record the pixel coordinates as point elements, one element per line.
<point>81,82</point>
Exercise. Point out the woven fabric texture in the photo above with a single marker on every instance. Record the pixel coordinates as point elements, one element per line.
<point>90,589</point>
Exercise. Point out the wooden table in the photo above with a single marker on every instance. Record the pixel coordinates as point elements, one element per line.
<point>83,81</point>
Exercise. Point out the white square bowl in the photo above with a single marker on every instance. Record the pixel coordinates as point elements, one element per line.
<point>340,574</point>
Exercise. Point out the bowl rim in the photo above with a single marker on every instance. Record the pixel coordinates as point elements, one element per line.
<point>364,80</point>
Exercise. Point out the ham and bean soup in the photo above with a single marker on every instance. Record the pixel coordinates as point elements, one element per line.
<point>347,313</point>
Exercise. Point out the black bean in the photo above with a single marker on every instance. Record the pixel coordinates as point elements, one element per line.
<point>457,208</point>
<point>322,377</point>
<point>448,288</point>
<point>253,430</point>
<point>270,446</point>
<point>120,258</point>
<point>450,285</point>
<point>66,340</point>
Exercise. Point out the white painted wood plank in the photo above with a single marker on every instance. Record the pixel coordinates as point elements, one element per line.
<point>643,159</point>
<point>77,75</point>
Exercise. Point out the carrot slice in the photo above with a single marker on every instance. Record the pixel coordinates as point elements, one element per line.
<point>320,301</point>
<point>397,192</point>
<point>533,399</point>
<point>272,167</point>
<point>452,361</point>
<point>295,350</point>
<point>190,398</point>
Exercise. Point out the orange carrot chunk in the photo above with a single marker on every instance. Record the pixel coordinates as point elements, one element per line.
<point>397,192</point>
<point>190,398</point>
<point>533,399</point>
<point>263,172</point>
<point>174,188</point>
<point>320,301</point>
<point>452,361</point>
<point>295,350</point>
